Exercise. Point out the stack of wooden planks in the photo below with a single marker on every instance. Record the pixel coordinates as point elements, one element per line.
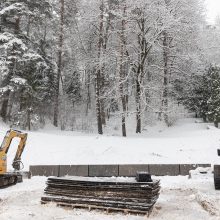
<point>131,196</point>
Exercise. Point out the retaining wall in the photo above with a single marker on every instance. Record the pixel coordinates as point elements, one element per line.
<point>128,170</point>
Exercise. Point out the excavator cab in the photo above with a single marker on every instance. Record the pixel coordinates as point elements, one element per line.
<point>8,178</point>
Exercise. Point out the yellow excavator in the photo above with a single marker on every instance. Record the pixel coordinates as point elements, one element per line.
<point>10,178</point>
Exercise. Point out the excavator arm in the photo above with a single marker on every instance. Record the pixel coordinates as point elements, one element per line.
<point>7,142</point>
<point>10,178</point>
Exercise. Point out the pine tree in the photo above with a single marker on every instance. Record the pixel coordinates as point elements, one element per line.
<point>29,71</point>
<point>214,100</point>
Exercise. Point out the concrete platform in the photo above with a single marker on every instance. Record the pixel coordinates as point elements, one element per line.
<point>44,170</point>
<point>131,170</point>
<point>185,168</point>
<point>103,170</point>
<point>73,170</point>
<point>128,170</point>
<point>164,169</point>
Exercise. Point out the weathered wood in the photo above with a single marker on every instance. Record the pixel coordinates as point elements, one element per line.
<point>90,207</point>
<point>98,202</point>
<point>98,182</point>
<point>122,196</point>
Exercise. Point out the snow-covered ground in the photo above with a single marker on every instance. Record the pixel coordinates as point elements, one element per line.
<point>186,142</point>
<point>181,199</point>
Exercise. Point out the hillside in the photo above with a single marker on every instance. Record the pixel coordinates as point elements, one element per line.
<point>186,142</point>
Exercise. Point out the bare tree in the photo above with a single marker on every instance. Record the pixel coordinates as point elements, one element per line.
<point>59,70</point>
<point>122,67</point>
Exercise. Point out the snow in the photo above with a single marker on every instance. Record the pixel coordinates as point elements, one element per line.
<point>14,7</point>
<point>181,198</point>
<point>18,80</point>
<point>32,56</point>
<point>5,89</point>
<point>186,142</point>
<point>9,40</point>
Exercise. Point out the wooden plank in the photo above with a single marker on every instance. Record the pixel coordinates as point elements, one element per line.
<point>98,182</point>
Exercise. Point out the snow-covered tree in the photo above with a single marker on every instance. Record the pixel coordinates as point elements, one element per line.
<point>80,63</point>
<point>214,100</point>
<point>28,68</point>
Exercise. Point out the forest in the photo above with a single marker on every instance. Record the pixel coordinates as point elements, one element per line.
<point>87,65</point>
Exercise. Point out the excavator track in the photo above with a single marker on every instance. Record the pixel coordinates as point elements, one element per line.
<point>9,179</point>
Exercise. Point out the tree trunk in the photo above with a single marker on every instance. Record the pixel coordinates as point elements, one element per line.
<point>103,114</point>
<point>28,25</point>
<point>144,49</point>
<point>29,119</point>
<point>216,124</point>
<point>105,31</point>
<point>5,106</point>
<point>60,51</point>
<point>100,79</point>
<point>98,76</point>
<point>165,77</point>
<point>17,26</point>
<point>10,104</point>
<point>124,108</point>
<point>98,105</point>
<point>138,106</point>
<point>122,74</point>
<point>204,118</point>
<point>102,83</point>
<point>88,101</point>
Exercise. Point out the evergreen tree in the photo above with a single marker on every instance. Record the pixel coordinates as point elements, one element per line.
<point>214,100</point>
<point>198,97</point>
<point>29,76</point>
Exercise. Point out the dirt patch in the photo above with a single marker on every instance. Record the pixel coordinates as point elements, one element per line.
<point>207,204</point>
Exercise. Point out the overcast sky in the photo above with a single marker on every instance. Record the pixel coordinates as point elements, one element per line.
<point>213,7</point>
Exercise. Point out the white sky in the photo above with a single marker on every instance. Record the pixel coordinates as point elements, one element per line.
<point>213,9</point>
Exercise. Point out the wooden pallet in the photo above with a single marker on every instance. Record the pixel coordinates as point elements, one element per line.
<point>107,209</point>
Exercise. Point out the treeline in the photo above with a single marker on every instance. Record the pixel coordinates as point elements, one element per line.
<point>79,63</point>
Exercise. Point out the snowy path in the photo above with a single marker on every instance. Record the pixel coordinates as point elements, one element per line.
<point>180,199</point>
